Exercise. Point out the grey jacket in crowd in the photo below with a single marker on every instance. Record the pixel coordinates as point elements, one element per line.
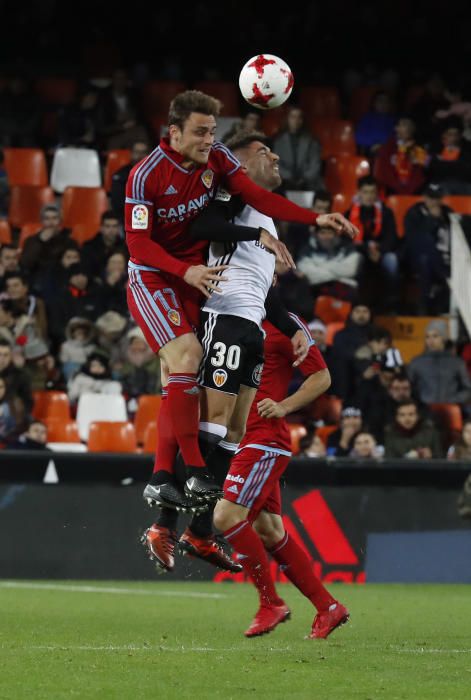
<point>440,377</point>
<point>303,165</point>
<point>341,264</point>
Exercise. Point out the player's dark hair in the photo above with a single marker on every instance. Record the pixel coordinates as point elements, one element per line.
<point>191,101</point>
<point>243,138</point>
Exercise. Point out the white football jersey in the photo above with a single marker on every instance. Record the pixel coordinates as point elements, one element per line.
<point>250,272</point>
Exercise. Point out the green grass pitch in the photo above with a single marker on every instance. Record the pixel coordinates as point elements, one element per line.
<point>169,640</point>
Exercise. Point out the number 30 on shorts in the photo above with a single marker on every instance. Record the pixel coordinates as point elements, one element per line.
<point>224,355</point>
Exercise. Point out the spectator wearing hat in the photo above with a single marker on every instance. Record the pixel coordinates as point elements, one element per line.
<point>411,436</point>
<point>79,297</point>
<point>111,329</point>
<point>344,346</point>
<point>41,367</point>
<point>45,248</point>
<point>427,248</point>
<point>93,377</point>
<point>78,346</point>
<point>318,331</point>
<point>340,442</point>
<point>437,375</point>
<point>106,242</point>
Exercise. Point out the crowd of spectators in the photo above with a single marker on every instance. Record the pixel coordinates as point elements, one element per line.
<point>64,322</point>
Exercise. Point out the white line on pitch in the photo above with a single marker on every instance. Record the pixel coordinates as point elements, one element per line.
<point>158,647</point>
<point>74,588</point>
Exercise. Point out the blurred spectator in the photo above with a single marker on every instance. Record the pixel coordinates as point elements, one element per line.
<point>111,329</point>
<point>330,264</point>
<point>51,281</point>
<point>139,150</point>
<point>79,297</point>
<point>251,121</point>
<point>35,438</point>
<point>401,162</point>
<point>8,413</point>
<point>346,342</point>
<point>367,361</point>
<point>311,446</point>
<point>300,154</point>
<point>114,279</point>
<point>462,448</point>
<point>46,247</point>
<point>24,303</point>
<point>376,126</point>
<point>107,241</point>
<point>427,248</point>
<point>75,351</point>
<point>19,114</point>
<point>437,375</point>
<point>365,447</point>
<point>140,372</point>
<point>121,121</point>
<point>78,124</point>
<point>16,327</point>
<point>450,166</point>
<point>17,381</point>
<point>78,346</point>
<point>9,262</point>
<point>41,367</point>
<point>95,377</point>
<point>424,111</point>
<point>4,188</point>
<point>410,435</point>
<point>377,242</point>
<point>340,442</point>
<point>297,235</point>
<point>318,331</point>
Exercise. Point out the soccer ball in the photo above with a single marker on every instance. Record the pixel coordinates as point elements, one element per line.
<point>266,81</point>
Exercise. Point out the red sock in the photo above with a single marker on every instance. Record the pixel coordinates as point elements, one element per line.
<point>167,445</point>
<point>245,541</point>
<point>183,402</point>
<point>298,568</point>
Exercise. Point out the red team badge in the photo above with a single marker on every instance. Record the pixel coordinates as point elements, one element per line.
<point>174,317</point>
<point>207,178</point>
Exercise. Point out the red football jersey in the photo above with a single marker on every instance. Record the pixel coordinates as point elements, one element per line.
<point>276,377</point>
<point>162,198</point>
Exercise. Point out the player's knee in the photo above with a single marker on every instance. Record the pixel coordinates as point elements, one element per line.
<point>270,531</point>
<point>226,515</point>
<point>235,434</point>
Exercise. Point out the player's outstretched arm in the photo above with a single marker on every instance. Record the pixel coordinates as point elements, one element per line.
<point>312,387</point>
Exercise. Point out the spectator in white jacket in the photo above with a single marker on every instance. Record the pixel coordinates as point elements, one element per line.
<point>94,377</point>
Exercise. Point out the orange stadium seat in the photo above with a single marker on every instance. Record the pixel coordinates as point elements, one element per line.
<point>297,431</point>
<point>107,436</point>
<point>84,205</point>
<point>115,159</point>
<point>459,203</point>
<point>449,416</point>
<point>150,438</point>
<point>57,91</point>
<point>317,101</point>
<point>51,405</point>
<point>26,166</point>
<point>26,202</point>
<point>157,95</point>
<point>28,230</point>
<point>225,91</point>
<point>62,430</point>
<point>336,136</point>
<point>5,232</point>
<point>148,407</point>
<point>330,309</point>
<point>400,204</point>
<point>332,329</point>
<point>342,173</point>
<point>324,431</point>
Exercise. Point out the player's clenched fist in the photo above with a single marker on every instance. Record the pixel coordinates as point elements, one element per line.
<point>338,222</point>
<point>205,278</point>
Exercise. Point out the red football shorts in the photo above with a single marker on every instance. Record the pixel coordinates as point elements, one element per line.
<point>163,309</point>
<point>253,479</point>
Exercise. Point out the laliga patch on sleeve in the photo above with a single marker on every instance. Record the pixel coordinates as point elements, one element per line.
<point>222,195</point>
<point>139,217</point>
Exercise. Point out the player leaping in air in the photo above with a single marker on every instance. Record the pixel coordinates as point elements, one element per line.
<point>167,275</point>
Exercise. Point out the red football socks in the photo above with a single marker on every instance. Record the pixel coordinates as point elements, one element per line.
<point>246,542</point>
<point>297,567</point>
<point>167,445</point>
<point>183,403</point>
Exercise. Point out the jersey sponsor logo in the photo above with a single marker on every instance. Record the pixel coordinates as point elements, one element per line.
<point>257,374</point>
<point>233,489</point>
<point>207,178</point>
<point>139,217</point>
<point>174,317</point>
<point>220,377</point>
<point>235,477</point>
<point>222,195</point>
<point>180,211</point>
<point>171,190</point>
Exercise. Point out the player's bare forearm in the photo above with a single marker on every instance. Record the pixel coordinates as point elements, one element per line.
<point>312,387</point>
